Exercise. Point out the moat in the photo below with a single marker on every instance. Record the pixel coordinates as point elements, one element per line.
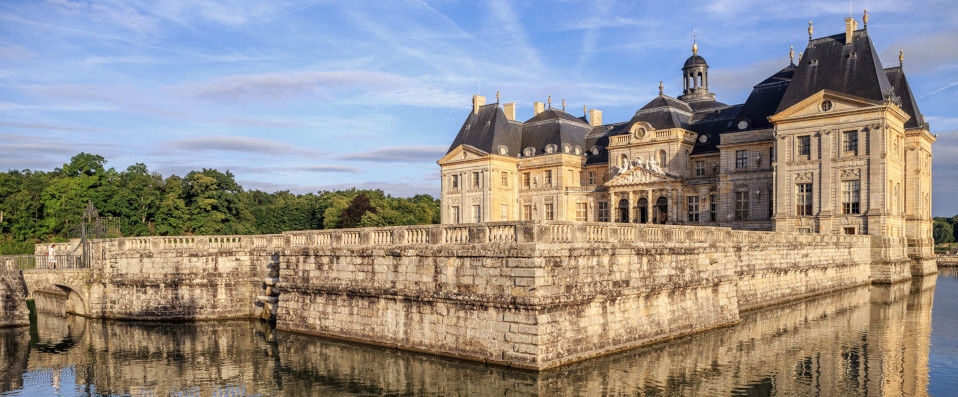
<point>878,340</point>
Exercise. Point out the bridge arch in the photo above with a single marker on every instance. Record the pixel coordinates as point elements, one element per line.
<point>58,292</point>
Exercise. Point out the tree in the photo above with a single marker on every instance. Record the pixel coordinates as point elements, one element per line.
<point>943,231</point>
<point>359,206</point>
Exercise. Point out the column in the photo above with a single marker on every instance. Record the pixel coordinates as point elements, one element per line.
<point>631,207</point>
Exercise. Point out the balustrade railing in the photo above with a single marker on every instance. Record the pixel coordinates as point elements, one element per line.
<point>42,262</point>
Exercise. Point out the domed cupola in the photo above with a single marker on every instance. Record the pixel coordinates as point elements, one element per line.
<point>695,78</point>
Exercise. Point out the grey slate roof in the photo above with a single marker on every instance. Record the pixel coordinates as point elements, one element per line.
<point>765,98</point>
<point>487,129</point>
<point>896,76</point>
<point>829,64</point>
<point>694,60</point>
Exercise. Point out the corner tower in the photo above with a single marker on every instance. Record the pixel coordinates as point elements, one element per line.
<point>695,78</point>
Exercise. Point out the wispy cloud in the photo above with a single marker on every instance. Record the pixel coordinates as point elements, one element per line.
<point>285,85</point>
<point>399,154</point>
<point>238,144</point>
<point>37,126</point>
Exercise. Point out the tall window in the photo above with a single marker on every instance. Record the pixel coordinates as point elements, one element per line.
<point>476,213</point>
<point>592,177</point>
<point>741,205</point>
<point>455,182</point>
<point>475,180</point>
<point>741,159</point>
<point>803,199</point>
<point>525,179</point>
<point>663,158</point>
<point>549,213</point>
<point>851,197</point>
<point>527,212</point>
<point>699,167</point>
<point>623,161</point>
<point>850,141</point>
<point>505,178</point>
<point>581,212</point>
<point>805,146</point>
<point>548,179</point>
<point>504,212</point>
<point>455,214</point>
<point>713,207</point>
<point>693,208</point>
<point>603,211</point>
<point>771,155</point>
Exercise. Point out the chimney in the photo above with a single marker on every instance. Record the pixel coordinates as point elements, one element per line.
<point>477,101</point>
<point>595,117</point>
<point>510,110</point>
<point>850,27</point>
<point>538,107</point>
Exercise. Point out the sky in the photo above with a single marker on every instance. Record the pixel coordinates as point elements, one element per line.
<point>318,95</point>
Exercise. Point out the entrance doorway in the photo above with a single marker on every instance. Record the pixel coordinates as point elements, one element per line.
<point>624,211</point>
<point>643,210</point>
<point>661,211</point>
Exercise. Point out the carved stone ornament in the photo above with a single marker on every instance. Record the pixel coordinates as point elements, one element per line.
<point>851,173</point>
<point>455,201</point>
<point>803,177</point>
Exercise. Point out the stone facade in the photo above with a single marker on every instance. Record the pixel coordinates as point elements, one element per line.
<point>834,144</point>
<point>13,305</point>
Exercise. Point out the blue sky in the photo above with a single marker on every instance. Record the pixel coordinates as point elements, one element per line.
<point>319,95</point>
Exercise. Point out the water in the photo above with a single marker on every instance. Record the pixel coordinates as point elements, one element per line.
<point>865,341</point>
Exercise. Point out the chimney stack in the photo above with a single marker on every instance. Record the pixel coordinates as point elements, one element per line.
<point>850,27</point>
<point>510,110</point>
<point>595,117</point>
<point>477,101</point>
<point>538,107</point>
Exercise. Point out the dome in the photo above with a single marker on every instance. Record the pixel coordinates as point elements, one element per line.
<point>695,60</point>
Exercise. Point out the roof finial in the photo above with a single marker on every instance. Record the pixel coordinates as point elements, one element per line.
<point>810,30</point>
<point>695,45</point>
<point>661,88</point>
<point>497,96</point>
<point>563,104</point>
<point>865,20</point>
<point>901,58</point>
<point>791,55</point>
<point>550,101</point>
<point>585,110</point>
<point>800,56</point>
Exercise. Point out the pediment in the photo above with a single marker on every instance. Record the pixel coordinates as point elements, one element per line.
<point>637,176</point>
<point>463,153</point>
<point>815,106</point>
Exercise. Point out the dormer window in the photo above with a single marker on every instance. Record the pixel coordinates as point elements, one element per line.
<point>826,106</point>
<point>742,124</point>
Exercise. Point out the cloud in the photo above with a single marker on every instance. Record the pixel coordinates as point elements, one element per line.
<point>238,144</point>
<point>37,126</point>
<point>399,154</point>
<point>925,53</point>
<point>285,85</point>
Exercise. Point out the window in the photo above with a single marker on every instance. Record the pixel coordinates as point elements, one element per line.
<point>851,197</point>
<point>623,162</point>
<point>455,214</point>
<point>527,212</point>
<point>741,206</point>
<point>771,155</point>
<point>693,208</point>
<point>505,178</point>
<point>504,212</point>
<point>741,159</point>
<point>713,207</point>
<point>662,158</point>
<point>476,213</point>
<point>850,141</point>
<point>475,180</point>
<point>548,179</point>
<point>603,211</point>
<point>850,230</point>
<point>803,199</point>
<point>549,214</point>
<point>525,180</point>
<point>592,177</point>
<point>455,182</point>
<point>581,212</point>
<point>805,146</point>
<point>771,204</point>
<point>699,167</point>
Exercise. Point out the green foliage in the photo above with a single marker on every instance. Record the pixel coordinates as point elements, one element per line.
<point>43,206</point>
<point>943,231</point>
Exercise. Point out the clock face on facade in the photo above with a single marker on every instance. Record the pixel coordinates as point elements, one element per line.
<point>639,133</point>
<point>742,124</point>
<point>703,138</point>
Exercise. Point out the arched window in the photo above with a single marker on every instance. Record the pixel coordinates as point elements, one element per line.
<point>662,158</point>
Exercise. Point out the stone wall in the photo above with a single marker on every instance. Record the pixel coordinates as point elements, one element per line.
<point>536,295</point>
<point>13,305</point>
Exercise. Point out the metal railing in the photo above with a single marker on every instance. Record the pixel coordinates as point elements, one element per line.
<point>42,262</point>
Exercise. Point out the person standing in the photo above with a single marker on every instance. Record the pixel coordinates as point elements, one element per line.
<point>52,256</point>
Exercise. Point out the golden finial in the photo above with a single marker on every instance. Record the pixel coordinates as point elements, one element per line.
<point>563,104</point>
<point>550,101</point>
<point>585,110</point>
<point>865,19</point>
<point>661,88</point>
<point>695,48</point>
<point>800,56</point>
<point>497,96</point>
<point>901,58</point>
<point>791,54</point>
<point>810,30</point>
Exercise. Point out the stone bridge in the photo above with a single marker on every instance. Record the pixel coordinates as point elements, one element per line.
<point>59,291</point>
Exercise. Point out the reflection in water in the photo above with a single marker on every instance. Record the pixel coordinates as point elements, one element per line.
<point>864,341</point>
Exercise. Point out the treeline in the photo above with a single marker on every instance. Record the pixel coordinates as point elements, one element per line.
<point>41,206</point>
<point>945,230</point>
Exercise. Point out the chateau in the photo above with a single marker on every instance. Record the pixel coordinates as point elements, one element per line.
<point>833,145</point>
